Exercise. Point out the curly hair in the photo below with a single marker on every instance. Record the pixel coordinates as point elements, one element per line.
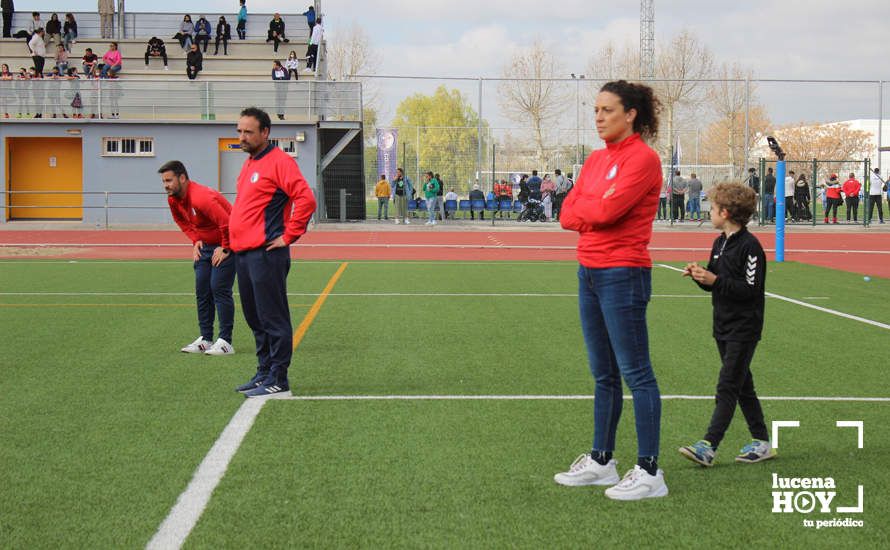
<point>738,199</point>
<point>641,98</point>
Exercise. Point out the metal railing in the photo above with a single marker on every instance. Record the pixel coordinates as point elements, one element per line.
<point>165,99</point>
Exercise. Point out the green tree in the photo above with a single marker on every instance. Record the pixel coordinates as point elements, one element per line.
<point>439,133</point>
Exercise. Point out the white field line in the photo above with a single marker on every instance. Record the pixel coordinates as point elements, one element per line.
<point>432,245</point>
<point>878,324</point>
<point>557,398</point>
<point>191,503</point>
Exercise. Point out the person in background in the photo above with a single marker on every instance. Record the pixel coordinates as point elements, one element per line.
<point>693,188</point>
<point>292,64</point>
<point>310,17</point>
<point>430,192</point>
<point>61,59</point>
<point>534,186</point>
<point>754,181</point>
<point>450,196</point>
<point>276,31</point>
<point>851,189</point>
<point>53,29</point>
<point>224,34</point>
<point>202,214</point>
<point>440,200</point>
<point>678,195</point>
<point>111,62</point>
<point>156,48</point>
<point>69,31</point>
<point>876,187</point>
<point>401,191</point>
<point>38,50</point>
<point>800,202</point>
<point>8,9</point>
<point>382,191</point>
<point>476,195</point>
<point>202,32</point>
<point>241,27</point>
<point>186,32</point>
<point>106,18</point>
<point>832,192</point>
<point>194,62</point>
<point>609,206</point>
<point>314,41</point>
<point>769,195</point>
<point>5,75</point>
<point>548,191</point>
<point>33,24</point>
<point>89,62</point>
<point>279,75</point>
<point>562,189</point>
<point>663,201</point>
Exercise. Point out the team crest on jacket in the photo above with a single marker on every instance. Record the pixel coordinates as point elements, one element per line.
<point>612,173</point>
<point>255,177</point>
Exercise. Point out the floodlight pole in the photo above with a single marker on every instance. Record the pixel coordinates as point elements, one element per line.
<point>780,210</point>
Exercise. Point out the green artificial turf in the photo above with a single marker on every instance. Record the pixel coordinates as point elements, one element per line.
<point>103,421</point>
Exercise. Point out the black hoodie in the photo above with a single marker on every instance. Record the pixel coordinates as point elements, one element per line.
<point>738,293</point>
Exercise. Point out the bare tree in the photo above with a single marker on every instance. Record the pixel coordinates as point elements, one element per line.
<point>682,64</point>
<point>351,53</point>
<point>612,63</point>
<point>529,95</point>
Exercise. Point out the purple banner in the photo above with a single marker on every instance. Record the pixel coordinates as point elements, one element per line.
<point>387,152</point>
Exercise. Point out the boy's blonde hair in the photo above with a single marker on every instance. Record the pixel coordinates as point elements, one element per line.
<point>738,199</point>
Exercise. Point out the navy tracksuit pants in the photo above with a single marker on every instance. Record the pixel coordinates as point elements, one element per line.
<point>213,291</point>
<point>262,283</point>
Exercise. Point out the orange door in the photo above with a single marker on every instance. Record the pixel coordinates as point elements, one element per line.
<point>45,178</point>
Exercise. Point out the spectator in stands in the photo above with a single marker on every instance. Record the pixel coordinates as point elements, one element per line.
<point>89,62</point>
<point>851,189</point>
<point>37,93</point>
<point>53,29</point>
<point>292,64</point>
<point>876,187</point>
<point>156,48</point>
<point>401,190</point>
<point>382,191</point>
<point>314,40</point>
<point>476,195</point>
<point>111,62</point>
<point>534,186</point>
<point>8,8</point>
<point>224,34</point>
<point>194,62</point>
<point>561,191</point>
<point>202,32</point>
<point>38,50</point>
<point>769,195</point>
<point>61,58</point>
<point>106,18</point>
<point>694,188</point>
<point>74,93</point>
<point>450,196</point>
<point>69,31</point>
<point>241,27</point>
<point>832,197</point>
<point>21,91</point>
<point>276,31</point>
<point>34,24</point>
<point>186,32</point>
<point>280,74</point>
<point>310,18</point>
<point>5,75</point>
<point>54,91</point>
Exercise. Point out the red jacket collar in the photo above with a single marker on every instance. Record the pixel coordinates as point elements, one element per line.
<point>626,142</point>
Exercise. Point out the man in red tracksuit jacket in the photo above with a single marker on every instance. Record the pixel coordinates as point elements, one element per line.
<point>203,215</point>
<point>271,211</point>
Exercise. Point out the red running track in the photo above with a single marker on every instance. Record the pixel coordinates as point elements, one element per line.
<point>856,252</point>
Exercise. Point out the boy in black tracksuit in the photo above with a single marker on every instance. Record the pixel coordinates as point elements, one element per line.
<point>735,277</point>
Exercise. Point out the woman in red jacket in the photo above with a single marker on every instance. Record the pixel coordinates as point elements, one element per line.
<point>612,207</point>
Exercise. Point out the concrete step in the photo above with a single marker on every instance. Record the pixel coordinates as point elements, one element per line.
<point>256,49</point>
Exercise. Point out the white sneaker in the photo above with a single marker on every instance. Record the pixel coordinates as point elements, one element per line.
<point>398,222</point>
<point>428,223</point>
<point>198,346</point>
<point>638,484</point>
<point>407,221</point>
<point>433,222</point>
<point>166,68</point>
<point>220,347</point>
<point>587,471</point>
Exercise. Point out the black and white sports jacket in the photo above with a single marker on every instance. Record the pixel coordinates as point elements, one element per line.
<point>738,293</point>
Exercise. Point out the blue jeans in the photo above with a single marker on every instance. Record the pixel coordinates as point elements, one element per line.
<point>613,305</point>
<point>432,206</point>
<point>769,206</point>
<point>213,290</point>
<point>694,208</point>
<point>106,69</point>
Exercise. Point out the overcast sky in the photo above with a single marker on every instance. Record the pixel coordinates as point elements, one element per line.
<point>800,39</point>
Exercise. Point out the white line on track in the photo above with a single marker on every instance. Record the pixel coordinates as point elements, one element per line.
<point>556,398</point>
<point>191,503</point>
<point>871,322</point>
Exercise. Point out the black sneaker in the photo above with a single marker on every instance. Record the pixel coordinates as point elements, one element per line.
<point>253,383</point>
<point>268,388</point>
